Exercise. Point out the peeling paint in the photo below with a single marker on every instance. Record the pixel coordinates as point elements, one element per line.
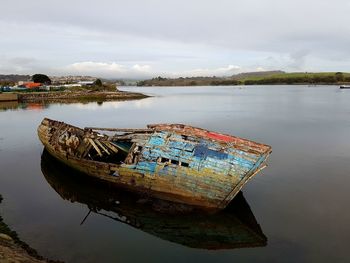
<point>175,162</point>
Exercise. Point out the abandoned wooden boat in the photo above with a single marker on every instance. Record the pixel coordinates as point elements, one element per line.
<point>233,227</point>
<point>174,162</point>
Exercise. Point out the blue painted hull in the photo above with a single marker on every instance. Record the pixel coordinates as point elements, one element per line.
<point>173,162</point>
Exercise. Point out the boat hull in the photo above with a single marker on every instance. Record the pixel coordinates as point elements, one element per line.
<point>198,186</point>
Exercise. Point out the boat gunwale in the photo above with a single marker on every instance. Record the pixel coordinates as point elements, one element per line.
<point>183,129</point>
<point>255,147</point>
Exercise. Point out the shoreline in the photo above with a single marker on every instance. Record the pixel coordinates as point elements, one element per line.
<point>73,96</point>
<point>249,85</point>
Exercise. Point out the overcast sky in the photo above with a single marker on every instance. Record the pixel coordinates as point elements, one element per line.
<point>140,39</point>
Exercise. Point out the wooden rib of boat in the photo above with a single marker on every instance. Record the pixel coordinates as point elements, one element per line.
<point>174,162</point>
<point>233,227</point>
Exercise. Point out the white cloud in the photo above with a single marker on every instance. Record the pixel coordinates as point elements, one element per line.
<point>17,65</point>
<point>115,70</point>
<point>207,72</point>
<point>90,67</point>
<point>260,69</point>
<point>142,68</point>
<point>106,69</point>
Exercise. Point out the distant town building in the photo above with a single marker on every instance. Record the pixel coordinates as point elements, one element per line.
<point>28,84</point>
<point>22,83</point>
<point>32,85</point>
<point>86,83</point>
<point>72,85</point>
<point>70,79</point>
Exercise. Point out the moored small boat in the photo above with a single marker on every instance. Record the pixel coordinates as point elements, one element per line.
<point>345,86</point>
<point>174,162</point>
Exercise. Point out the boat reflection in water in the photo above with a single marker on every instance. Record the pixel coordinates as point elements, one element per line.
<point>233,227</point>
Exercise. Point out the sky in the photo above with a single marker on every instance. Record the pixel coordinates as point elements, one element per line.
<point>142,39</point>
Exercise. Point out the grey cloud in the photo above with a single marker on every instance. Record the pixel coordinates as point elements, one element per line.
<point>298,59</point>
<point>17,64</point>
<point>180,35</point>
<point>21,61</point>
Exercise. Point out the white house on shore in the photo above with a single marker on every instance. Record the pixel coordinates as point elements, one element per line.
<point>86,83</point>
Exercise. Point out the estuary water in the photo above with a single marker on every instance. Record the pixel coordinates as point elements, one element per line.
<point>296,210</point>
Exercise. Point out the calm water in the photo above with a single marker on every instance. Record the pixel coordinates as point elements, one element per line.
<point>300,201</point>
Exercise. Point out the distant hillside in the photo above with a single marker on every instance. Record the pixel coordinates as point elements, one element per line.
<point>192,81</point>
<point>300,78</point>
<point>14,78</point>
<point>257,74</point>
<point>254,78</point>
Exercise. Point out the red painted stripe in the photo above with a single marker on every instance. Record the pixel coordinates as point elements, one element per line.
<point>220,137</point>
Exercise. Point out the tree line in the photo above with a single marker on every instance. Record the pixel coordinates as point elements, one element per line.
<point>292,78</point>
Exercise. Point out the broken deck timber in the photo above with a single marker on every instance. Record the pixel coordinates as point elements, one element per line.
<point>175,162</point>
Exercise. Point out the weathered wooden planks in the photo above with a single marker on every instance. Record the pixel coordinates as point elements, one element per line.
<point>236,142</point>
<point>175,162</point>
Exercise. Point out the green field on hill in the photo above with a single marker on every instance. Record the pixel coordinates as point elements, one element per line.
<point>254,78</point>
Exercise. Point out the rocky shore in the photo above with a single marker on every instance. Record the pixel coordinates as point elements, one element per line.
<point>10,252</point>
<point>78,96</point>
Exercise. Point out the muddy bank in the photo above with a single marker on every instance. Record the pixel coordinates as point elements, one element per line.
<point>13,250</point>
<point>81,96</point>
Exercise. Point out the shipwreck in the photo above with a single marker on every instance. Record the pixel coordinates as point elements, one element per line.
<point>174,162</point>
